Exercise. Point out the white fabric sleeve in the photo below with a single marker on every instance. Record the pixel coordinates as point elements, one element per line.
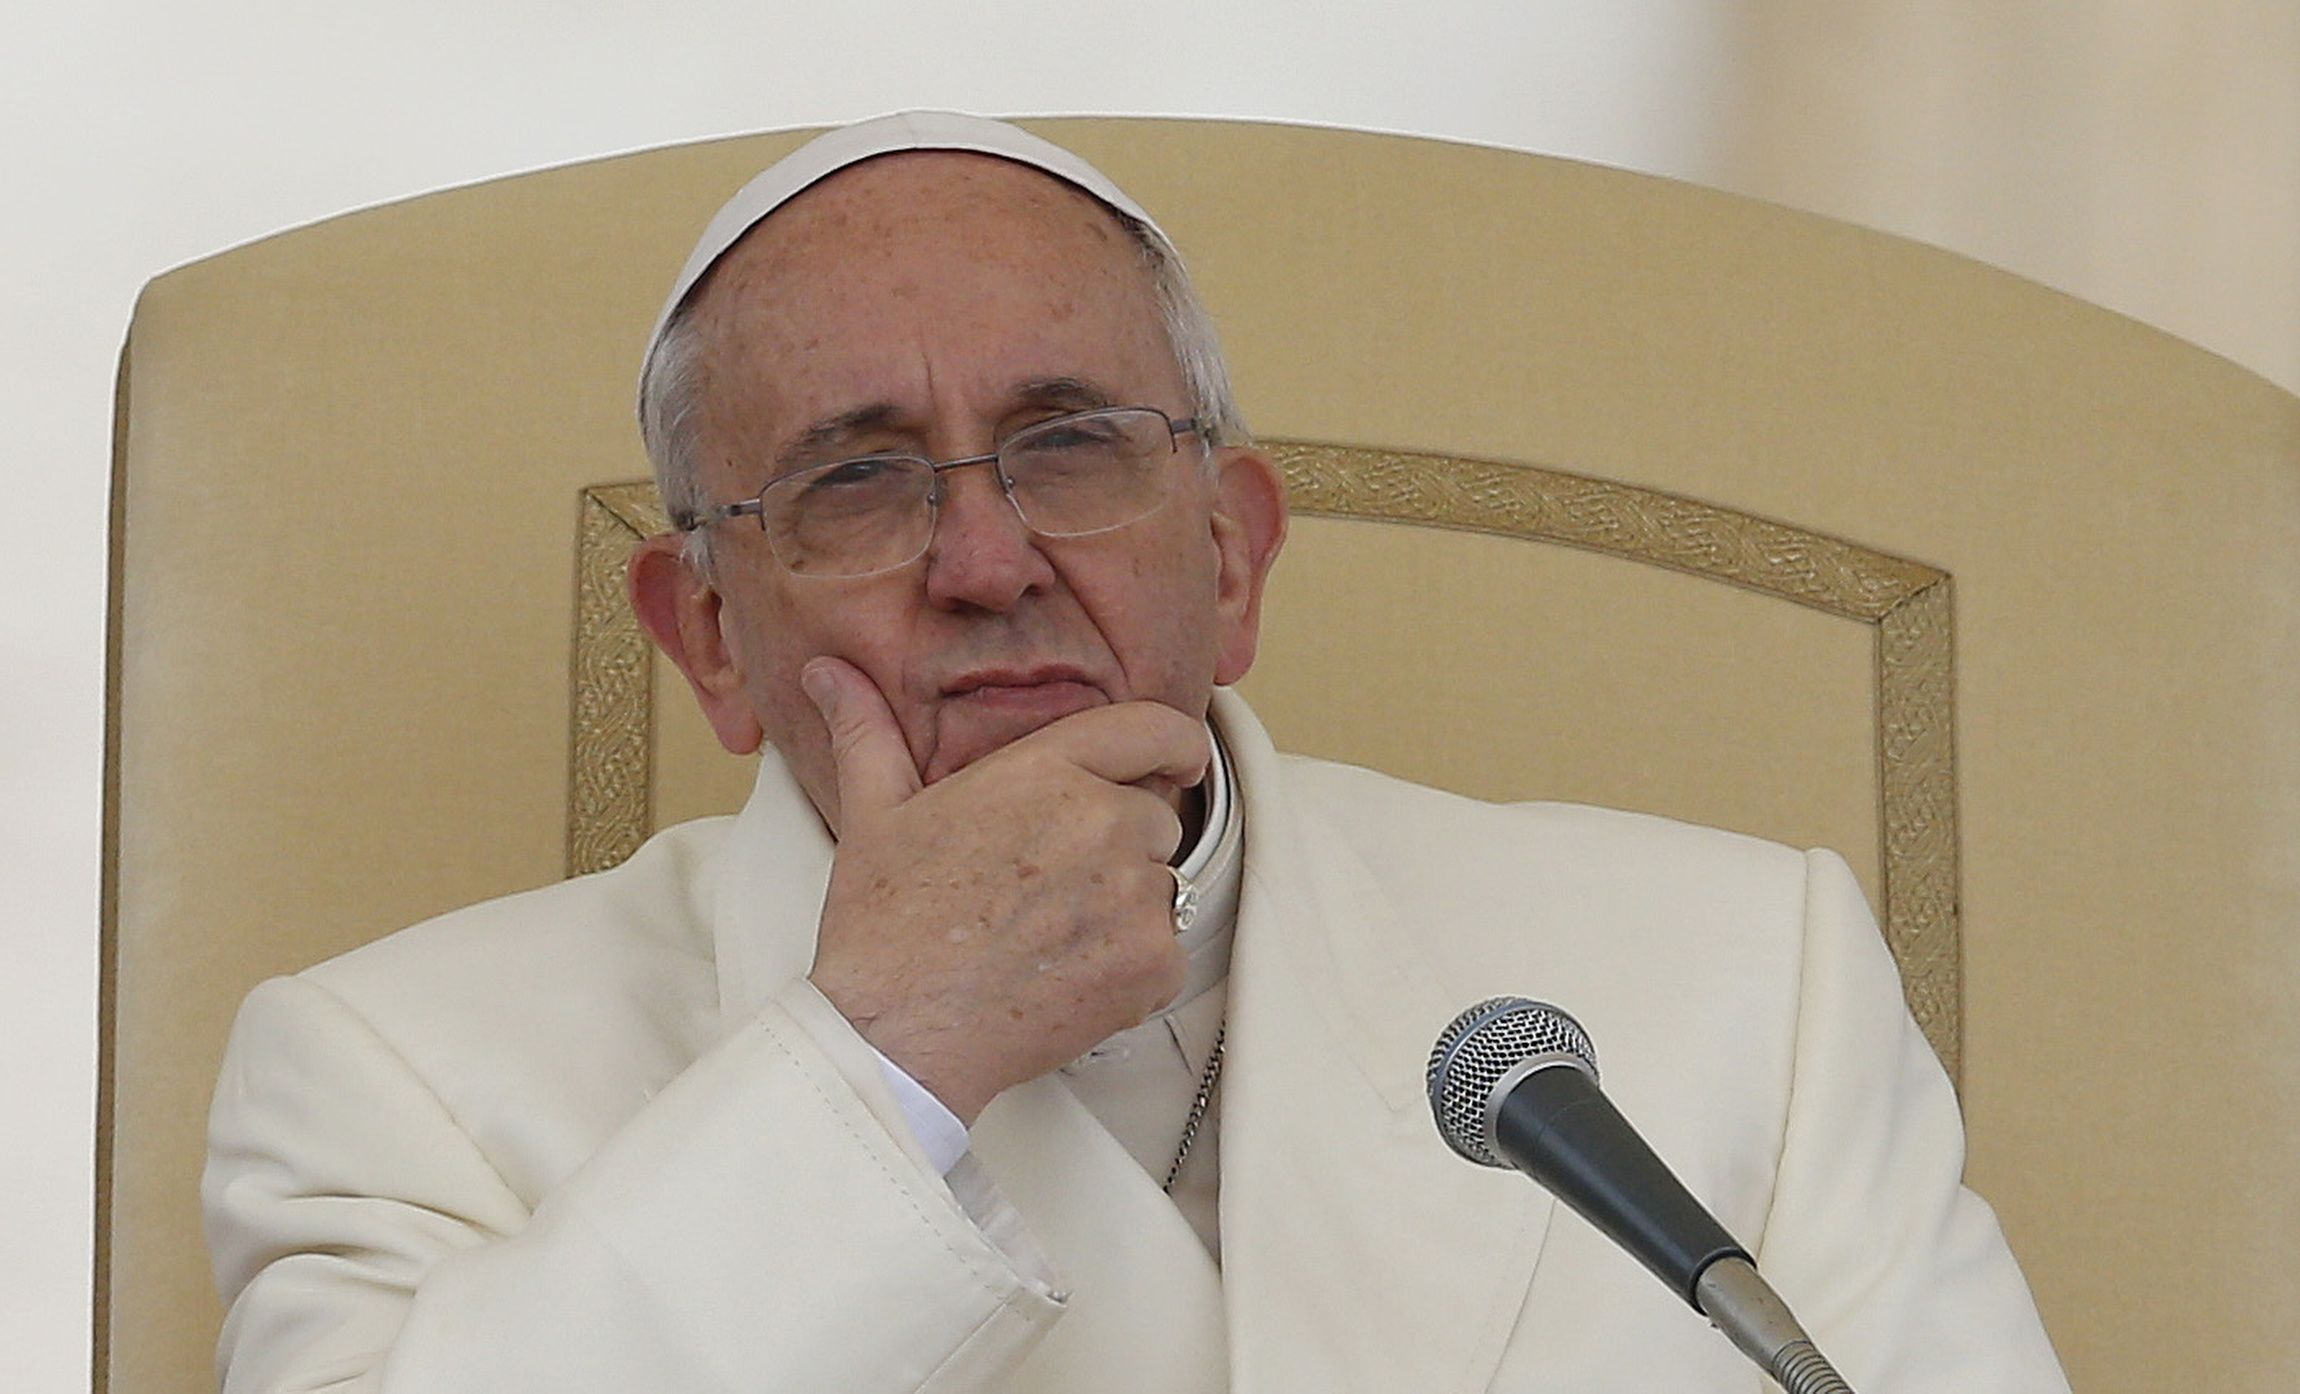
<point>939,1133</point>
<point>751,1226</point>
<point>1899,1272</point>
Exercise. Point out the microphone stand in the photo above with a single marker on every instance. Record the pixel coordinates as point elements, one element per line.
<point>1744,1306</point>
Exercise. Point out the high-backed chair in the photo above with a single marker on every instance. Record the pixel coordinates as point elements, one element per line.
<point>1610,489</point>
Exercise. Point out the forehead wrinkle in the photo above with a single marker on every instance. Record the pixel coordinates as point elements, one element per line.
<point>925,354</point>
<point>874,210</point>
<point>926,193</point>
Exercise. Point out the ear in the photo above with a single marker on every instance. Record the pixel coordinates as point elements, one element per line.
<point>1249,520</point>
<point>680,611</point>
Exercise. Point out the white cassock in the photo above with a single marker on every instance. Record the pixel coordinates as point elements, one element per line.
<point>604,1136</point>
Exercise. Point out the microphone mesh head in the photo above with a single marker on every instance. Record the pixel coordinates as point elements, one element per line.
<point>1483,1044</point>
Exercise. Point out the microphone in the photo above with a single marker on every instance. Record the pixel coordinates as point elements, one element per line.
<point>1513,1083</point>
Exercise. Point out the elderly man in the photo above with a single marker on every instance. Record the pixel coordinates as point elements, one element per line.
<point>1036,1026</point>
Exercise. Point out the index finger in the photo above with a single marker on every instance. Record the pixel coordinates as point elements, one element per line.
<point>1130,742</point>
<point>868,755</point>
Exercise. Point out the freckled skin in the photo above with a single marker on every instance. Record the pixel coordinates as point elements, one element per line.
<point>1002,840</point>
<point>938,284</point>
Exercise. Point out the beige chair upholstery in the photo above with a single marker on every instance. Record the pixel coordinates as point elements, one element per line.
<point>1708,508</point>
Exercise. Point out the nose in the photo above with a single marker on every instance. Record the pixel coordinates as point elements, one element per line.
<point>982,555</point>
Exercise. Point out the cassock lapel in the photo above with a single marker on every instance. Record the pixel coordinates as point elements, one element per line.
<point>1146,1307</point>
<point>772,876</point>
<point>1358,1253</point>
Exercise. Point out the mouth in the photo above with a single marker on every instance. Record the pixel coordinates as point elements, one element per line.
<point>1012,688</point>
<point>994,707</point>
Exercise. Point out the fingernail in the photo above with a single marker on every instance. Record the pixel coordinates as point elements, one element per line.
<point>821,688</point>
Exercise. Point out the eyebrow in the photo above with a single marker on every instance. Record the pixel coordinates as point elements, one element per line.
<point>826,437</point>
<point>1063,394</point>
<point>830,437</point>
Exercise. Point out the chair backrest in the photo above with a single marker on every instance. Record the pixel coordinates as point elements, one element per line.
<point>1836,539</point>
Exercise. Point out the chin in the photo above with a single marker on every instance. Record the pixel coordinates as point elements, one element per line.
<point>974,724</point>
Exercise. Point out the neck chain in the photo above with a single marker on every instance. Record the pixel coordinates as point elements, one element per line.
<point>1213,863</point>
<point>1198,1105</point>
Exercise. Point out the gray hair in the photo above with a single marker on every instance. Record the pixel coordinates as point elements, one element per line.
<point>672,383</point>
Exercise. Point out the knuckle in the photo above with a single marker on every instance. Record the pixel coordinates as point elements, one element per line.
<point>1166,829</point>
<point>1099,818</point>
<point>1184,735</point>
<point>1153,722</point>
<point>1154,883</point>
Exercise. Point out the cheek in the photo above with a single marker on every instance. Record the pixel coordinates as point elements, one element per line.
<point>774,653</point>
<point>857,624</point>
<point>1164,627</point>
<point>771,636</point>
<point>770,664</point>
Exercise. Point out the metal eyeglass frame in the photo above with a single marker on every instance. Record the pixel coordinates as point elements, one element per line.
<point>756,505</point>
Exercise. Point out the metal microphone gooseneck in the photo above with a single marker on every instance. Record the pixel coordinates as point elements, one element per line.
<point>1513,1083</point>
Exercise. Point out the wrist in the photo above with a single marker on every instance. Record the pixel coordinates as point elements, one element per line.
<point>901,1046</point>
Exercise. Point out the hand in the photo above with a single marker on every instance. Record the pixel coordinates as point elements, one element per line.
<point>986,930</point>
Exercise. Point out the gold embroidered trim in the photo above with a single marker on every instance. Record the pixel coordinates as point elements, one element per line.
<point>1908,604</point>
<point>611,749</point>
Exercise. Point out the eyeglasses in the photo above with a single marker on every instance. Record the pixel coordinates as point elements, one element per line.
<point>1071,476</point>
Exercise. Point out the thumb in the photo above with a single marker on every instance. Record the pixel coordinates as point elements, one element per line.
<point>875,771</point>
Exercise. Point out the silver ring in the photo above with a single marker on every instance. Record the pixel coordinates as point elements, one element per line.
<point>1185,901</point>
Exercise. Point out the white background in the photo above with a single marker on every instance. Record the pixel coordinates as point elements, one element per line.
<point>2145,154</point>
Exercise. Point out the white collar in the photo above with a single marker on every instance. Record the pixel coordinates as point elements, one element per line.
<point>1217,865</point>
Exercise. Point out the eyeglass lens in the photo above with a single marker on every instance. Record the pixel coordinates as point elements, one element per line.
<point>1066,477</point>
